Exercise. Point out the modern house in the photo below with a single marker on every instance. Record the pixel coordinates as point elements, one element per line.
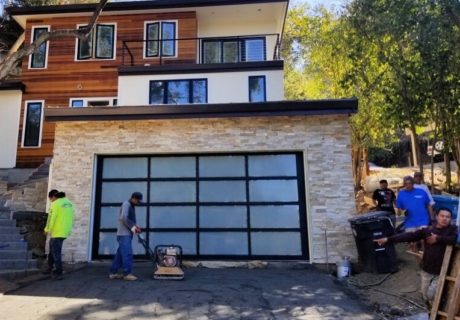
<point>183,101</point>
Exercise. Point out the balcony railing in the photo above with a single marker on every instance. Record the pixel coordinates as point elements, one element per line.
<point>246,48</point>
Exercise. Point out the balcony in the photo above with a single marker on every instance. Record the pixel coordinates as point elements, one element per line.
<point>203,51</point>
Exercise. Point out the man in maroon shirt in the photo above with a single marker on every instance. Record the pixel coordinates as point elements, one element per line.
<point>436,238</point>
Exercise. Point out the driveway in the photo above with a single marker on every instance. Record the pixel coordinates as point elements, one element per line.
<point>203,294</point>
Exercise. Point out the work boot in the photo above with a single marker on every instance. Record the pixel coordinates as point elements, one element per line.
<point>114,276</point>
<point>130,277</point>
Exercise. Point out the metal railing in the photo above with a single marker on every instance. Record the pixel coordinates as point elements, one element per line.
<point>231,49</point>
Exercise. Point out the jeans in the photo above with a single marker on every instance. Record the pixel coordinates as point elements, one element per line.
<point>428,285</point>
<point>124,257</point>
<point>55,255</point>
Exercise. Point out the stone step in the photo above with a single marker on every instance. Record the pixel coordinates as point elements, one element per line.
<point>17,264</point>
<point>7,223</point>
<point>13,245</point>
<point>7,230</point>
<point>10,237</point>
<point>15,254</point>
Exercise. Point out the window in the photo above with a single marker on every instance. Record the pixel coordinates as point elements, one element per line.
<point>178,91</point>
<point>99,45</point>
<point>257,91</point>
<point>160,37</point>
<point>93,102</point>
<point>233,50</point>
<point>38,59</point>
<point>33,118</point>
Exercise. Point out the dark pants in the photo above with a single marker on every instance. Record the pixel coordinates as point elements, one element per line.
<point>55,255</point>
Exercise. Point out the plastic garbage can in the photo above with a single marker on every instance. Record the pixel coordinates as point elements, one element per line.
<point>449,202</point>
<point>371,226</point>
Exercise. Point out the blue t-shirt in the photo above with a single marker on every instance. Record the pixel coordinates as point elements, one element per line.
<point>415,203</point>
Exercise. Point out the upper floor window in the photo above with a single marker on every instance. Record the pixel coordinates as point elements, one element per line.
<point>231,50</point>
<point>38,60</point>
<point>32,127</point>
<point>257,90</point>
<point>93,102</point>
<point>178,91</point>
<point>160,39</point>
<point>100,43</point>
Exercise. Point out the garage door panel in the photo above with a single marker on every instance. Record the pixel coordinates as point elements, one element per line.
<point>108,244</point>
<point>109,217</point>
<point>222,191</point>
<point>173,217</point>
<point>273,190</point>
<point>125,168</point>
<point>272,165</point>
<point>173,191</point>
<point>173,167</point>
<point>223,243</point>
<point>223,217</point>
<point>276,243</point>
<point>187,240</point>
<point>283,216</point>
<point>222,166</point>
<point>117,192</point>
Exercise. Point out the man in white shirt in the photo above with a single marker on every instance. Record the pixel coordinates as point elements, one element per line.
<point>419,184</point>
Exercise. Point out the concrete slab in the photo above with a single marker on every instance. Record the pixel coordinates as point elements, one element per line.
<point>203,294</point>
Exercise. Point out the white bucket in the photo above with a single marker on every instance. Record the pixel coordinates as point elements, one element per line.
<point>343,268</point>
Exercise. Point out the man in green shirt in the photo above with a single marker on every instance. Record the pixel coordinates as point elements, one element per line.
<point>58,226</point>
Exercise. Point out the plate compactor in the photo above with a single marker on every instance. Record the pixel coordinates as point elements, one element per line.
<point>167,260</point>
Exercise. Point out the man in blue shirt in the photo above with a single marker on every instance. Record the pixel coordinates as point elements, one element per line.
<point>416,204</point>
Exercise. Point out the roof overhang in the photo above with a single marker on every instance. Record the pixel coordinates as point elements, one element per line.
<point>263,109</point>
<point>11,85</point>
<point>206,9</point>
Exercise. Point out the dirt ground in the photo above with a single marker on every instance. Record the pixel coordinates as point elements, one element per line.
<point>392,295</point>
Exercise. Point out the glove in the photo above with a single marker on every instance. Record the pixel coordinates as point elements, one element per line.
<point>135,230</point>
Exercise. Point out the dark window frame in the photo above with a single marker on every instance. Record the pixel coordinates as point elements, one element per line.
<point>264,87</point>
<point>190,93</point>
<point>160,39</point>
<point>94,35</point>
<point>241,47</point>
<point>33,38</point>
<point>301,202</point>
<point>25,126</point>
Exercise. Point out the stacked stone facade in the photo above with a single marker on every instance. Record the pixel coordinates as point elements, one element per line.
<point>324,141</point>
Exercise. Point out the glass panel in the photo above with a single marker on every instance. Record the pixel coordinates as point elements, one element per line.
<point>223,217</point>
<point>230,51</point>
<point>117,192</point>
<point>272,165</point>
<point>108,244</point>
<point>275,217</point>
<point>173,167</point>
<point>254,50</point>
<point>85,47</point>
<point>222,166</point>
<point>157,92</point>
<point>222,191</point>
<point>178,92</point>
<point>33,124</point>
<point>187,240</point>
<point>104,41</point>
<point>276,243</point>
<point>109,216</point>
<point>273,190</point>
<point>77,103</point>
<point>168,31</point>
<point>172,217</point>
<point>220,243</point>
<point>211,51</point>
<point>39,55</point>
<point>125,168</point>
<point>173,191</point>
<point>257,89</point>
<point>152,34</point>
<point>199,94</point>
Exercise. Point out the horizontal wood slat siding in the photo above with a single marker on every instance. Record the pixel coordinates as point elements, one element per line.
<point>65,78</point>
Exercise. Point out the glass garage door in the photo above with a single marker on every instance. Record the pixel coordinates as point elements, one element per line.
<point>226,206</point>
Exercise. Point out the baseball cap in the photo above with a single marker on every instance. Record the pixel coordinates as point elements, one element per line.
<point>137,195</point>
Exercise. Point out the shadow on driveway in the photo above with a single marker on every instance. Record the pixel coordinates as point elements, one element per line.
<point>203,294</point>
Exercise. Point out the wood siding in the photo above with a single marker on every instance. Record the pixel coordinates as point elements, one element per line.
<point>65,78</point>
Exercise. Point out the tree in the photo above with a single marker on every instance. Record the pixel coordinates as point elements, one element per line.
<point>10,62</point>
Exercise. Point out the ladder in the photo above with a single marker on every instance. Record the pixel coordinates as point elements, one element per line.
<point>446,304</point>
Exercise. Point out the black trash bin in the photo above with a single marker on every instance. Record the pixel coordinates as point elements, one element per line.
<point>366,228</point>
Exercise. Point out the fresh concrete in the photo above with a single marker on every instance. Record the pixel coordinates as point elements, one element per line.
<point>204,294</point>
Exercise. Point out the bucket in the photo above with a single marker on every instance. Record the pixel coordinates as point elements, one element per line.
<point>343,268</point>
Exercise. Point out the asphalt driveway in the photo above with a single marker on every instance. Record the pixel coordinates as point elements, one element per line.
<point>203,294</point>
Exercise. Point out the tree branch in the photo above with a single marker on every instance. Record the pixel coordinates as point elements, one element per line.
<point>10,62</point>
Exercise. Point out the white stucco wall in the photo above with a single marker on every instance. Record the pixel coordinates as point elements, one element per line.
<point>223,87</point>
<point>10,107</point>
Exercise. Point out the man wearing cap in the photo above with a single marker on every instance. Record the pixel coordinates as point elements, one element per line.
<point>126,229</point>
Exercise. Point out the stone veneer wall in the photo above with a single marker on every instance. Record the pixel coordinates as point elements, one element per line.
<point>325,141</point>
